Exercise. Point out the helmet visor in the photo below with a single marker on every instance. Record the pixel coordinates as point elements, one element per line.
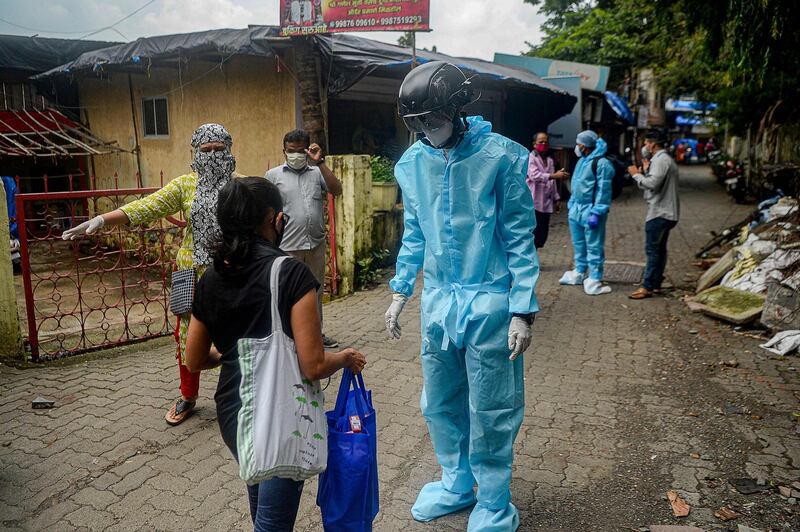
<point>429,121</point>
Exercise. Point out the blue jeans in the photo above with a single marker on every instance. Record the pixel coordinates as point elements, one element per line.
<point>656,234</point>
<point>274,504</point>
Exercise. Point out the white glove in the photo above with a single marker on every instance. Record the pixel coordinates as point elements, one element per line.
<point>86,228</point>
<point>391,316</point>
<point>519,336</point>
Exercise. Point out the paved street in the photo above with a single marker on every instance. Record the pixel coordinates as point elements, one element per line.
<point>625,400</point>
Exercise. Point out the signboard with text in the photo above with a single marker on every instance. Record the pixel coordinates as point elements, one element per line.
<point>563,131</point>
<point>593,77</point>
<point>305,17</point>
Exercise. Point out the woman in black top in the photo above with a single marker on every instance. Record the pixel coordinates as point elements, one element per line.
<point>232,301</point>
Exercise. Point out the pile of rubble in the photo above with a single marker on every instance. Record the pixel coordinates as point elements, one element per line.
<point>756,277</point>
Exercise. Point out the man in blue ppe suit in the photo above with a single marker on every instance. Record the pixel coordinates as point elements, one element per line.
<point>588,213</point>
<point>468,223</point>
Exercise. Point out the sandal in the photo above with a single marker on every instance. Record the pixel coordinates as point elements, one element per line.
<point>178,413</point>
<point>641,293</point>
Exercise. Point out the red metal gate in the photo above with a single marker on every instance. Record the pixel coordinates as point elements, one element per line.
<point>97,292</point>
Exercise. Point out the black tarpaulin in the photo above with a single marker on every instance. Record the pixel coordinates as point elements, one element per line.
<point>349,59</point>
<point>38,54</point>
<point>346,59</point>
<point>141,52</point>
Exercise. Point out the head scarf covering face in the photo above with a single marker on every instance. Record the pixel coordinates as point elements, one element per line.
<point>214,169</point>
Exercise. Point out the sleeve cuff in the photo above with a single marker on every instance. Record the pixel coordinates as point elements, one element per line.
<point>401,287</point>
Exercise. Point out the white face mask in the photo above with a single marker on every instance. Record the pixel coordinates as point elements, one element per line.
<point>297,161</point>
<point>646,154</point>
<point>578,151</point>
<point>439,136</point>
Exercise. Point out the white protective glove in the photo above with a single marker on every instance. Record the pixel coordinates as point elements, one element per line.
<point>519,336</point>
<point>393,313</point>
<point>86,228</point>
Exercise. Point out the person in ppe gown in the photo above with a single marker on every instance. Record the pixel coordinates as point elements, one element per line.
<point>588,212</point>
<point>469,220</point>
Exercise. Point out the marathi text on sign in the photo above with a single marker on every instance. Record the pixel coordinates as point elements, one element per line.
<point>305,17</point>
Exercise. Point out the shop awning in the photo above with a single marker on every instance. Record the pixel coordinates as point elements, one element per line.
<point>346,60</point>
<point>47,133</point>
<point>37,54</point>
<point>349,59</point>
<point>619,106</point>
<point>141,54</point>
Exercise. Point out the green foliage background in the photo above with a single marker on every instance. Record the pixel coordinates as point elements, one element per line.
<point>742,54</point>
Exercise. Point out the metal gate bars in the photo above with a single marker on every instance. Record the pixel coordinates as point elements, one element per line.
<point>97,292</point>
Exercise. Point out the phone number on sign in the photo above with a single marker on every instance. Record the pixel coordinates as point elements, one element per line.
<point>367,22</point>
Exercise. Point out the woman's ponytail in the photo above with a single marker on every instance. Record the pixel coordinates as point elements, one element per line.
<point>242,209</point>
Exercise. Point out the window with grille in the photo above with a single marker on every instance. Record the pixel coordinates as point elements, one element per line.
<point>155,120</point>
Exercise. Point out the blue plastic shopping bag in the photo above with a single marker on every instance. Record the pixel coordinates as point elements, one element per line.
<point>348,489</point>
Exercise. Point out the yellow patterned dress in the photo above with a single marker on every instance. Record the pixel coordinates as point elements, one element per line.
<point>173,198</point>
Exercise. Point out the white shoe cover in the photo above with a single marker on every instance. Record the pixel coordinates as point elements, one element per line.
<point>595,288</point>
<point>572,277</point>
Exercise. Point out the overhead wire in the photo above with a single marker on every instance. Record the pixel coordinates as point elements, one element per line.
<point>85,33</point>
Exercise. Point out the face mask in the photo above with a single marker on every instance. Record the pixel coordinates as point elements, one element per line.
<point>213,166</point>
<point>297,161</point>
<point>646,154</point>
<point>578,151</point>
<point>438,137</point>
<point>213,169</point>
<point>542,148</point>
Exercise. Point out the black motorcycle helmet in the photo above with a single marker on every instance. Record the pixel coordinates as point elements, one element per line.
<point>434,93</point>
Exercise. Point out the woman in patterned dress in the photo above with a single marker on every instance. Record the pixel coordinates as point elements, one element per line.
<point>194,195</point>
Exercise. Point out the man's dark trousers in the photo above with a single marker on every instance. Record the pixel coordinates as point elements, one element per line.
<point>655,247</point>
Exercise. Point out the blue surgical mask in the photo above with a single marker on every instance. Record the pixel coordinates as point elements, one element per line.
<point>578,151</point>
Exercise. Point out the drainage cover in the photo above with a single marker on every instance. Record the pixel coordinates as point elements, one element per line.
<point>623,273</point>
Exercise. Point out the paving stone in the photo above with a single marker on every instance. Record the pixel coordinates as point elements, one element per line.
<point>604,393</point>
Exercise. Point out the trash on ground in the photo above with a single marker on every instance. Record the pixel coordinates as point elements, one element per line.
<point>748,486</point>
<point>680,508</point>
<point>725,514</point>
<point>674,528</point>
<point>782,307</point>
<point>755,279</point>
<point>729,304</point>
<point>761,257</point>
<point>732,363</point>
<point>783,343</point>
<point>730,410</point>
<point>41,402</point>
<point>745,528</point>
<point>717,271</point>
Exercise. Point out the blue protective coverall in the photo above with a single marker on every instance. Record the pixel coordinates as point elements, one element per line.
<point>590,195</point>
<point>468,223</point>
<point>10,184</point>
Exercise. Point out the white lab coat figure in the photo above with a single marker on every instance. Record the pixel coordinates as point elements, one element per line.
<point>296,15</point>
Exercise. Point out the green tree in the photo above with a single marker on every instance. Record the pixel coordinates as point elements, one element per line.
<point>405,39</point>
<point>743,54</point>
<point>754,47</point>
